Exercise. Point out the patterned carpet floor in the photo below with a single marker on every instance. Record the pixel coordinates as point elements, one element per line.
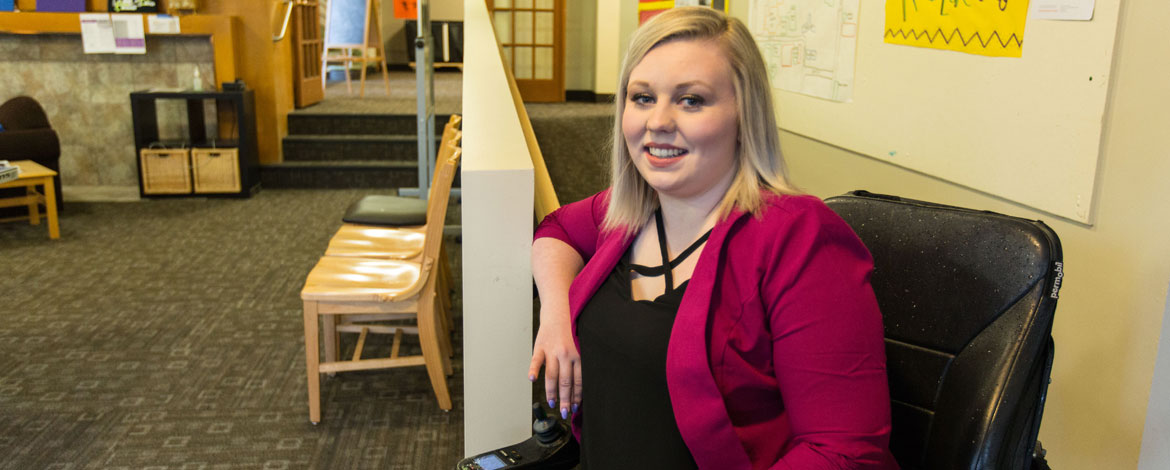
<point>167,334</point>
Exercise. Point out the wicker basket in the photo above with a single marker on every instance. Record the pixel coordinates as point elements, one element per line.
<point>165,171</point>
<point>182,7</point>
<point>216,170</point>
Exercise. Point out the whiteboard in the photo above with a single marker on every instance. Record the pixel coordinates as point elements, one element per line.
<point>345,23</point>
<point>1026,129</point>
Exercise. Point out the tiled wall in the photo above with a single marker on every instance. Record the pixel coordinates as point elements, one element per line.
<point>87,97</point>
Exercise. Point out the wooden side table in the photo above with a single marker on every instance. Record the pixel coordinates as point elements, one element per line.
<point>32,174</point>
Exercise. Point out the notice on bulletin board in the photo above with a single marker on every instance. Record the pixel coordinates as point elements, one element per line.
<point>809,45</point>
<point>97,33</point>
<point>406,9</point>
<point>650,8</point>
<point>992,27</point>
<point>129,36</point>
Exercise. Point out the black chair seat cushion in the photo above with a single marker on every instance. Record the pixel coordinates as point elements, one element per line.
<point>394,211</point>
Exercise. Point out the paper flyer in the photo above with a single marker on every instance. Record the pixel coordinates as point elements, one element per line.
<point>162,24</point>
<point>809,45</point>
<point>990,28</point>
<point>1075,10</point>
<point>97,33</point>
<point>129,36</point>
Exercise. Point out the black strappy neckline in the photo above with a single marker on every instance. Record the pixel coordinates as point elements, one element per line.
<point>668,265</point>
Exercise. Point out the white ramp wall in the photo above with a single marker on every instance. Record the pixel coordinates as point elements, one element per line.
<point>497,184</point>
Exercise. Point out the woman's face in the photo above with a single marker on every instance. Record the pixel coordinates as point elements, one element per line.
<point>680,120</point>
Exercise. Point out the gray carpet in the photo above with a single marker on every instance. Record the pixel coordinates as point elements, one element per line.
<point>168,334</point>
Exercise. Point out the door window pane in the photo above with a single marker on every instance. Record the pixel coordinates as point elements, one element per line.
<point>503,20</point>
<point>523,3</point>
<point>507,51</point>
<point>544,28</point>
<point>523,27</point>
<point>544,4</point>
<point>544,63</point>
<point>502,4</point>
<point>523,67</point>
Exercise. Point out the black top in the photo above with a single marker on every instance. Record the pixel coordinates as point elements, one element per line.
<point>630,423</point>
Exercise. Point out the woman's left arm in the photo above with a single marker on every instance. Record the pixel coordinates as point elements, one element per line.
<point>828,349</point>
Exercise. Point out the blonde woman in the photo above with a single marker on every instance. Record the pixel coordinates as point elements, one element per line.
<point>723,320</point>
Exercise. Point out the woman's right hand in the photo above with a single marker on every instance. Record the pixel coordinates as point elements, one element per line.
<point>554,349</point>
<point>554,265</point>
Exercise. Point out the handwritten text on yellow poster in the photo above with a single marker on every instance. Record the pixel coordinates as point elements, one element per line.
<point>984,27</point>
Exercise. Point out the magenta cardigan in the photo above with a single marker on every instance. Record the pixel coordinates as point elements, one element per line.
<point>776,358</point>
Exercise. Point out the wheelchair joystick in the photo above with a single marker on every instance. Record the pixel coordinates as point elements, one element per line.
<point>546,430</point>
<point>551,447</point>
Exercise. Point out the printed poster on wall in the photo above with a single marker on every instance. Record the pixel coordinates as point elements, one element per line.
<point>808,45</point>
<point>406,9</point>
<point>991,27</point>
<point>648,8</point>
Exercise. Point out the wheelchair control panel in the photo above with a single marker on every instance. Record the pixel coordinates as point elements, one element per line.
<point>551,447</point>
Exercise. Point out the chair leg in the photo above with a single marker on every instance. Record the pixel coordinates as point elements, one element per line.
<point>331,339</point>
<point>432,352</point>
<point>446,288</point>
<point>312,373</point>
<point>444,343</point>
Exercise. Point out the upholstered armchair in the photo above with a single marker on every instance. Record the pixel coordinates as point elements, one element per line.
<point>27,135</point>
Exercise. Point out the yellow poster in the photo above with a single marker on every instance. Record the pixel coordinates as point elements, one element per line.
<point>984,27</point>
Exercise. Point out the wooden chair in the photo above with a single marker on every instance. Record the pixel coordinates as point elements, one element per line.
<point>363,290</point>
<point>404,243</point>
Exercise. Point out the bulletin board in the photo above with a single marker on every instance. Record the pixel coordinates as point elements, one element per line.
<point>346,22</point>
<point>1025,129</point>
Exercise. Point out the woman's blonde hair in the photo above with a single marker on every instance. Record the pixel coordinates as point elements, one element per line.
<point>758,160</point>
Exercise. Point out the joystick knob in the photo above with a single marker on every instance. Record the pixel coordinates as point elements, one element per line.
<point>546,429</point>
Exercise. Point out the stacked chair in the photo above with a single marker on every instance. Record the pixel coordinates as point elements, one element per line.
<point>371,275</point>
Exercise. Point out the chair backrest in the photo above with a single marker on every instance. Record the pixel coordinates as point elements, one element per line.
<point>968,299</point>
<point>440,193</point>
<point>23,112</point>
<point>450,143</point>
<point>449,129</point>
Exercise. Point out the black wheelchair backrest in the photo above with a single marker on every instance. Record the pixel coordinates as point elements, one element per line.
<point>968,299</point>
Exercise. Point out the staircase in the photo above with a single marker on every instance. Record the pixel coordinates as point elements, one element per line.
<point>328,150</point>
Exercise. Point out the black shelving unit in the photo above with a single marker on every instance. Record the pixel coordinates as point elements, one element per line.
<point>143,106</point>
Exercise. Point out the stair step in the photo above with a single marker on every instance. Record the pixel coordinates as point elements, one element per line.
<point>358,124</point>
<point>339,174</point>
<point>321,147</point>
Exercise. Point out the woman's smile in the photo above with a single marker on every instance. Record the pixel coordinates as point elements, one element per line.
<point>663,155</point>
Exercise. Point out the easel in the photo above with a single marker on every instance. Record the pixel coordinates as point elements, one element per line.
<point>344,43</point>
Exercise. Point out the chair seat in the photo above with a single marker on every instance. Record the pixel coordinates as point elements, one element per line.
<point>364,241</point>
<point>361,279</point>
<point>393,211</point>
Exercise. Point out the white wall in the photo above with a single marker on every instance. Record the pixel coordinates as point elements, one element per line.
<point>616,21</point>
<point>580,44</point>
<point>498,190</point>
<point>1156,439</point>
